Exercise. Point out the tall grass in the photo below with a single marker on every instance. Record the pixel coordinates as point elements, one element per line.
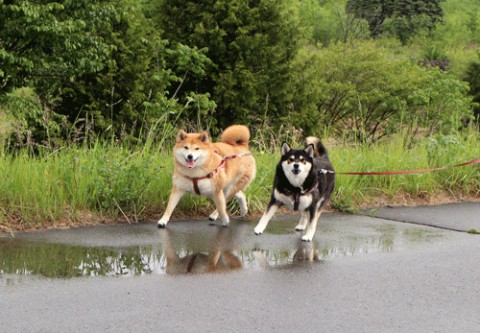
<point>107,182</point>
<point>353,192</point>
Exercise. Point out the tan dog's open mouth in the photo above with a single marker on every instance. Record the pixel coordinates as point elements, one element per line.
<point>191,163</point>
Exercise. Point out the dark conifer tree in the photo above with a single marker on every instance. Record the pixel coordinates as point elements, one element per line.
<point>251,45</point>
<point>405,17</point>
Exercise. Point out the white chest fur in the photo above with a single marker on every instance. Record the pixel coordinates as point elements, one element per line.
<point>304,201</point>
<point>186,184</point>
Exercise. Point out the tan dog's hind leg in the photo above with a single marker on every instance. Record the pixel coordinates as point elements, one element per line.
<point>237,192</point>
<point>214,215</point>
<point>172,203</point>
<point>242,201</point>
<point>221,204</point>
<point>228,195</point>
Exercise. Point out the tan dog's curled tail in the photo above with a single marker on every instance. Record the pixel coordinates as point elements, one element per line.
<point>236,135</point>
<point>319,148</point>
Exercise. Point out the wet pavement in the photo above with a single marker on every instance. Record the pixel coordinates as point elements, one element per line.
<point>360,274</point>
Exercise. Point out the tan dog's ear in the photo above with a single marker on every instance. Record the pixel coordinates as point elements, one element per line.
<point>181,135</point>
<point>204,137</point>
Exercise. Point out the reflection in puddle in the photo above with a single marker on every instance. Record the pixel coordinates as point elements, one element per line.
<point>22,257</point>
<point>219,258</point>
<point>200,250</point>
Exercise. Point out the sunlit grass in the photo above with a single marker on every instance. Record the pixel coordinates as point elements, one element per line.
<point>106,182</point>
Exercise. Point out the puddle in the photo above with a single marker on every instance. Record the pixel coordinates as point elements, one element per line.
<point>191,247</point>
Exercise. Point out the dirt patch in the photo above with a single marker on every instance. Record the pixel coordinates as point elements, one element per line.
<point>421,199</point>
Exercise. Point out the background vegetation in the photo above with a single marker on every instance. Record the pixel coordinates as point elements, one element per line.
<point>92,92</point>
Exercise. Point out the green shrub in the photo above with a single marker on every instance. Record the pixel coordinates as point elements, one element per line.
<point>27,121</point>
<point>365,92</point>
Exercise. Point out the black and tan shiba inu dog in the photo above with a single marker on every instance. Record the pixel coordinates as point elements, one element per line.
<point>304,181</point>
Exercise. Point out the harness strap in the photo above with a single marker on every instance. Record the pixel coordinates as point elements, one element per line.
<point>195,186</point>
<point>210,175</point>
<point>296,196</point>
<point>296,200</point>
<point>196,189</point>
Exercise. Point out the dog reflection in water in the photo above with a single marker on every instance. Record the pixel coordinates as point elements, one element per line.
<point>305,253</point>
<point>219,259</point>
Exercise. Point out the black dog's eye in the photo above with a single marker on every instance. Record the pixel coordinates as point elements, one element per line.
<point>302,159</point>
<point>292,159</point>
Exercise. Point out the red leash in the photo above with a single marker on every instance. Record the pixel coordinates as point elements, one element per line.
<point>405,172</point>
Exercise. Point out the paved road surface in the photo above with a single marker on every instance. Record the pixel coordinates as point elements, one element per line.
<point>360,274</point>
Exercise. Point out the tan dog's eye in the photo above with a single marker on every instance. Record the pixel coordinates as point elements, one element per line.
<point>197,148</point>
<point>186,147</point>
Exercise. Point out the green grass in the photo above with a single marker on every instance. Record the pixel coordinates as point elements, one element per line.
<point>105,183</point>
<point>455,183</point>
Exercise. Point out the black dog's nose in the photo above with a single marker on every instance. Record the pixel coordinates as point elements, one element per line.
<point>190,156</point>
<point>295,166</point>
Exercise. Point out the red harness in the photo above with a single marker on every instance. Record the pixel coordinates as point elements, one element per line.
<point>211,174</point>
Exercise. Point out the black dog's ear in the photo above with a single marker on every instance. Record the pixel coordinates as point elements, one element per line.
<point>181,135</point>
<point>204,137</point>
<point>310,150</point>
<point>285,148</point>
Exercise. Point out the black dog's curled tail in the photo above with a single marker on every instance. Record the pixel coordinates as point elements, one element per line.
<point>319,148</point>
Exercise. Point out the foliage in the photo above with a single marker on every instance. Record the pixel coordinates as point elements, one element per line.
<point>96,62</point>
<point>433,187</point>
<point>434,56</point>
<point>473,79</point>
<point>135,71</point>
<point>369,91</point>
<point>402,18</point>
<point>250,44</point>
<point>27,121</point>
<point>110,181</point>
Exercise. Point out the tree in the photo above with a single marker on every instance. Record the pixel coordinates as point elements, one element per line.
<point>473,79</point>
<point>328,22</point>
<point>251,45</point>
<point>402,18</point>
<point>95,60</point>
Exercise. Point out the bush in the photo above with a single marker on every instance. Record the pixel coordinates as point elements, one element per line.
<point>473,79</point>
<point>26,121</point>
<point>366,92</point>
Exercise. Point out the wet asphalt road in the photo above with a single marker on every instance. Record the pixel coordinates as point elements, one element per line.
<point>360,274</point>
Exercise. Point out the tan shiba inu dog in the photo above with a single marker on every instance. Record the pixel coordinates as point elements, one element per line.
<point>220,170</point>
